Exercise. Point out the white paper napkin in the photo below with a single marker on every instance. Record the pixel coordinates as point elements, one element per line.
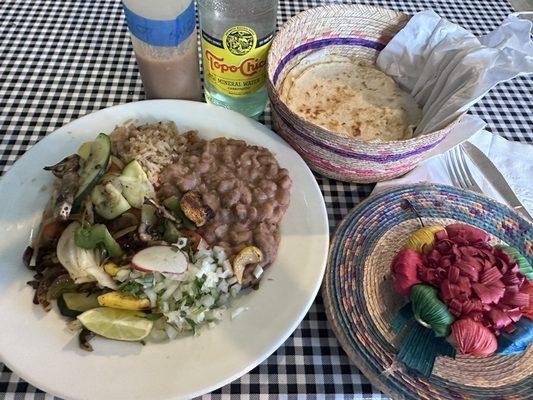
<point>448,69</point>
<point>513,159</point>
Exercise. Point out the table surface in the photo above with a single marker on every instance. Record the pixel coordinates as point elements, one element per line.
<point>60,60</point>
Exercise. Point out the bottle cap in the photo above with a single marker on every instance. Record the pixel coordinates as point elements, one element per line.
<point>161,32</point>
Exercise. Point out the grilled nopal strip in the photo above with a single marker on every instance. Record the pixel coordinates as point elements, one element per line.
<point>193,207</point>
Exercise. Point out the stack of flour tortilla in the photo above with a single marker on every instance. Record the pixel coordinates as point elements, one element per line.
<point>351,98</point>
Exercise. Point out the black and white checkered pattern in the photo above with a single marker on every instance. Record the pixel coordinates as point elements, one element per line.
<point>60,60</point>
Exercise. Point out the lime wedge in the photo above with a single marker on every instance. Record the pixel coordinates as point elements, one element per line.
<point>116,324</point>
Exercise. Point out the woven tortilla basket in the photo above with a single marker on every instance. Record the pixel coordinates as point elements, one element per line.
<point>361,302</point>
<point>351,30</point>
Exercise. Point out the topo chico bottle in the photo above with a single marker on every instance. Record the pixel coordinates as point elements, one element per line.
<point>236,36</point>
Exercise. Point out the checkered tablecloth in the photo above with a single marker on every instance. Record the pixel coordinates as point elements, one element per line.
<point>61,59</point>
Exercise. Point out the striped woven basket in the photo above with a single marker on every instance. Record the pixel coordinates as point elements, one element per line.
<point>361,302</point>
<point>354,30</point>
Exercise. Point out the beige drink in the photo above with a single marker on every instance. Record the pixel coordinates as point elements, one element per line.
<point>163,34</point>
<point>176,77</point>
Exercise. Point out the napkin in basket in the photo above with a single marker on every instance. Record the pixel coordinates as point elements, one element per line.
<point>447,69</point>
<point>513,159</point>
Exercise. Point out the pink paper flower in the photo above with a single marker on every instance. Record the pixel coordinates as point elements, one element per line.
<point>475,280</point>
<point>404,269</point>
<point>528,310</point>
<point>473,338</point>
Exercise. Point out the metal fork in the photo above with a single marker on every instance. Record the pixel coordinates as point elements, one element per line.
<point>458,170</point>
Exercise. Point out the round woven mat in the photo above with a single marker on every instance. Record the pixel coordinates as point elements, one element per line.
<point>361,303</point>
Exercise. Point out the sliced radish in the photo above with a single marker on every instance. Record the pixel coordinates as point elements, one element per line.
<point>162,259</point>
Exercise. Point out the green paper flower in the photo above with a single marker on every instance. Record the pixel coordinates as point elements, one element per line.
<point>430,311</point>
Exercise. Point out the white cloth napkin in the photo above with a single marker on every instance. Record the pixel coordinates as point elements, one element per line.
<point>448,69</point>
<point>513,159</point>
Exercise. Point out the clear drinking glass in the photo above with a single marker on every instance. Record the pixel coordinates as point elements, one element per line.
<point>163,33</point>
<point>236,37</point>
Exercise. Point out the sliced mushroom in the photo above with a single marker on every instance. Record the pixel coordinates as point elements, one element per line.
<point>84,337</point>
<point>126,220</point>
<point>27,256</point>
<point>193,207</point>
<point>65,166</point>
<point>247,256</point>
<point>67,171</point>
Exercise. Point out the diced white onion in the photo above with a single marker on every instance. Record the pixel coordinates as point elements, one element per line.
<point>171,331</point>
<point>169,291</point>
<point>227,266</point>
<point>122,275</point>
<point>152,296</point>
<point>157,335</point>
<point>208,301</point>
<point>258,271</point>
<point>179,298</point>
<point>235,289</point>
<point>235,313</point>
<point>223,286</point>
<point>232,280</point>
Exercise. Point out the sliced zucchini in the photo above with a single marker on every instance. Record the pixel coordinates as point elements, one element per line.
<point>73,304</point>
<point>108,201</point>
<point>85,150</point>
<point>134,170</point>
<point>113,178</point>
<point>135,183</point>
<point>93,167</point>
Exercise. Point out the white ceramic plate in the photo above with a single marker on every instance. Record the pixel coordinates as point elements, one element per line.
<point>37,346</point>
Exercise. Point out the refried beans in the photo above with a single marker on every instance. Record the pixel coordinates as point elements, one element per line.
<point>242,184</point>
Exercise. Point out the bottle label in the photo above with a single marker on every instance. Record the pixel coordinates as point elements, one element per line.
<point>236,65</point>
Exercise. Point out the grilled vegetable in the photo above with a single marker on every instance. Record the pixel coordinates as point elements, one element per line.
<point>42,284</point>
<point>148,221</point>
<point>93,165</point>
<point>173,204</point>
<point>85,150</point>
<point>63,283</point>
<point>65,166</point>
<point>83,265</point>
<point>136,185</point>
<point>123,301</point>
<point>84,337</point>
<point>248,255</point>
<point>89,237</point>
<point>111,268</point>
<point>52,229</point>
<point>193,207</point>
<point>108,201</point>
<point>162,211</point>
<point>172,234</point>
<point>66,170</point>
<point>73,304</point>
